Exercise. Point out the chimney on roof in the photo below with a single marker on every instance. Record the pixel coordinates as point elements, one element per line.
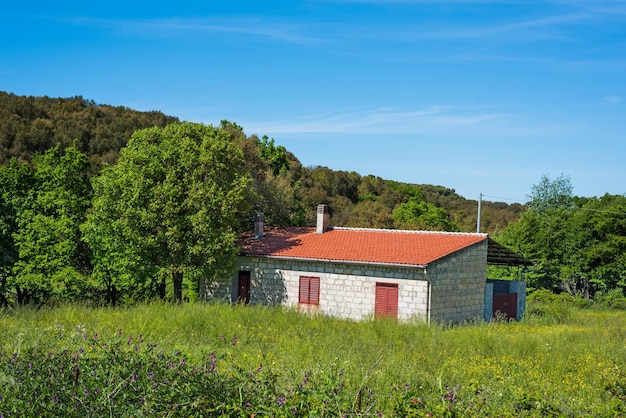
<point>258,225</point>
<point>322,218</point>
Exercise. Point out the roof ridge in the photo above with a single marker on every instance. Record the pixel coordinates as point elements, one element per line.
<point>410,231</point>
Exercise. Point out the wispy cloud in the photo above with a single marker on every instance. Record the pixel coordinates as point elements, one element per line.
<point>611,99</point>
<point>257,27</point>
<point>382,120</point>
<point>400,41</point>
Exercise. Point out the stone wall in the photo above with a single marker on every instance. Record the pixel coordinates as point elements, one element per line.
<point>458,285</point>
<point>346,291</point>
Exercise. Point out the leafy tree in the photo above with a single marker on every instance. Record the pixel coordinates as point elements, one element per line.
<point>275,177</point>
<point>52,260</point>
<point>578,243</point>
<point>417,214</point>
<point>275,155</point>
<point>551,193</point>
<point>16,182</point>
<point>371,214</point>
<point>170,209</point>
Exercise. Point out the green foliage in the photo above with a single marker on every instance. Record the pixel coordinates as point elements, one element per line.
<point>169,209</point>
<point>371,202</point>
<point>216,360</point>
<point>551,193</point>
<point>48,212</point>
<point>32,125</point>
<point>579,249</point>
<point>275,155</point>
<point>275,175</point>
<point>417,214</point>
<point>16,181</point>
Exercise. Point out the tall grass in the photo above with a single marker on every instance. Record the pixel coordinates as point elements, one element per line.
<point>551,363</point>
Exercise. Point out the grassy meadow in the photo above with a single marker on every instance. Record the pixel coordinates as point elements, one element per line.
<point>220,360</point>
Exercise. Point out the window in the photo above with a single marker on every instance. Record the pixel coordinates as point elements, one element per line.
<point>309,290</point>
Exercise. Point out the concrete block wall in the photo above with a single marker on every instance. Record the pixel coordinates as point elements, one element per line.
<point>458,285</point>
<point>345,291</point>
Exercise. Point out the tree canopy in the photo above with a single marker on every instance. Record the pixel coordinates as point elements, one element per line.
<point>579,244</point>
<point>45,204</point>
<point>173,203</point>
<point>32,125</point>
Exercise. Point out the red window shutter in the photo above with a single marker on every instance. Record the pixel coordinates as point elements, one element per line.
<point>304,290</point>
<point>314,290</point>
<point>309,292</point>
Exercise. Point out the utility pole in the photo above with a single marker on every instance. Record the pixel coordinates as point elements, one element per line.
<point>480,203</point>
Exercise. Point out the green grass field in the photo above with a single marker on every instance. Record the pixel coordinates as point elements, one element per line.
<point>215,359</point>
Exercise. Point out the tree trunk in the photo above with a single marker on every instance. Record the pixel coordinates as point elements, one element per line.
<point>161,289</point>
<point>177,278</point>
<point>22,297</point>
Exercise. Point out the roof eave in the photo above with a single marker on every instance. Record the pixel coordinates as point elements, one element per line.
<point>328,260</point>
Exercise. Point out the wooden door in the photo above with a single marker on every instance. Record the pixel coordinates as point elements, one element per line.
<point>505,305</point>
<point>243,289</point>
<point>386,300</point>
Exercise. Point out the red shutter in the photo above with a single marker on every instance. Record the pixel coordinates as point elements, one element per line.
<point>309,292</point>
<point>314,290</point>
<point>386,303</point>
<point>304,290</point>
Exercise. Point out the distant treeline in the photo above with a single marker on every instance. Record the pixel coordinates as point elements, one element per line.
<point>30,125</point>
<point>109,204</point>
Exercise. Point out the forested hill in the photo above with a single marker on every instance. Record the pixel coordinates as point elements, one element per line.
<point>495,216</point>
<point>32,125</point>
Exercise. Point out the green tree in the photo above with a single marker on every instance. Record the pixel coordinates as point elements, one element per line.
<point>371,214</point>
<point>170,209</point>
<point>275,177</point>
<point>578,243</point>
<point>16,182</point>
<point>52,260</point>
<point>417,214</point>
<point>551,193</point>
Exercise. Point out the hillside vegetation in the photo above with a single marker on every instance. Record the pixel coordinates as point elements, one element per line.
<point>109,204</point>
<point>33,125</point>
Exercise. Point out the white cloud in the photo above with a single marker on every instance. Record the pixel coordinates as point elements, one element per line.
<point>382,120</point>
<point>611,99</point>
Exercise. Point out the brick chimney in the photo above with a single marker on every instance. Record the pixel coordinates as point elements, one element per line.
<point>258,225</point>
<point>322,218</point>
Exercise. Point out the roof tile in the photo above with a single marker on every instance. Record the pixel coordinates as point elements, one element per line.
<point>383,246</point>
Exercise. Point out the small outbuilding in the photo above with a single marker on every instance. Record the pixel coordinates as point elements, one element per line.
<point>360,273</point>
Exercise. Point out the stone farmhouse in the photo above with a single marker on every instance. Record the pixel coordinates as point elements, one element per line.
<point>361,273</point>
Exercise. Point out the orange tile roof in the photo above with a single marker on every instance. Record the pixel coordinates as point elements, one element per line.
<point>380,246</point>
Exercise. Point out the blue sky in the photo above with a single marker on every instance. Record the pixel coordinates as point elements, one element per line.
<point>479,96</point>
